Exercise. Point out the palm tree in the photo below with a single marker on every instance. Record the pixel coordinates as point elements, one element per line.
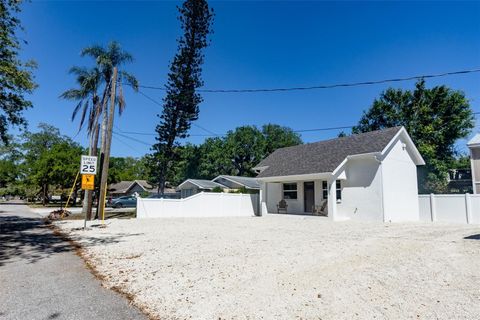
<point>108,60</point>
<point>86,94</point>
<point>89,102</point>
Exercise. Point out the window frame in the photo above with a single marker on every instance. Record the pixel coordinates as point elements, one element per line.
<point>324,189</point>
<point>338,190</point>
<point>293,193</point>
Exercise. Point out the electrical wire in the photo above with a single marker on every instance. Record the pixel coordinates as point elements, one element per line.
<point>115,137</point>
<point>224,134</point>
<point>161,105</point>
<point>327,86</point>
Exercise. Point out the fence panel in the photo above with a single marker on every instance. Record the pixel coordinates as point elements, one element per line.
<point>204,204</point>
<point>424,208</point>
<point>455,208</point>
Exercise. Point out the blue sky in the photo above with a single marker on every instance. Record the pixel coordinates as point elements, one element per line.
<point>255,45</point>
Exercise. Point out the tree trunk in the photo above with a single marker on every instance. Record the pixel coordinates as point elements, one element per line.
<point>108,143</point>
<point>94,153</point>
<point>103,140</point>
<point>87,194</point>
<point>44,194</point>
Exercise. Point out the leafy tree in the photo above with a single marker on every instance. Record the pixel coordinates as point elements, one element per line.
<point>435,119</point>
<point>187,165</point>
<point>16,78</point>
<point>126,169</point>
<point>245,148</point>
<point>277,137</point>
<point>214,159</point>
<point>50,159</point>
<point>181,103</point>
<point>241,149</point>
<point>10,157</point>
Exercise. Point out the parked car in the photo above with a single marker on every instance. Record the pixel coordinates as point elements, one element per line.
<point>124,202</point>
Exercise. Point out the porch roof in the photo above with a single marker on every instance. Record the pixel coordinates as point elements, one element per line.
<point>324,156</point>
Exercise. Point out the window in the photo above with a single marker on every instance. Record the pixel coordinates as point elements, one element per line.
<point>338,189</point>
<point>289,191</point>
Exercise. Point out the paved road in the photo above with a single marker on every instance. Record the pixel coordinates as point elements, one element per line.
<point>42,278</point>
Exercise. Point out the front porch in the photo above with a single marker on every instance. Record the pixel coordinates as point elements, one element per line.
<point>316,196</point>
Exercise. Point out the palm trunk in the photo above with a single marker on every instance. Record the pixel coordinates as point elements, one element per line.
<point>108,143</point>
<point>103,140</point>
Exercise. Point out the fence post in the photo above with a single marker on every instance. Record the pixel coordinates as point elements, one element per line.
<point>468,207</point>
<point>433,209</point>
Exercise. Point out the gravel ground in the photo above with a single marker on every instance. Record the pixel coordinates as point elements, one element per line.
<point>289,267</point>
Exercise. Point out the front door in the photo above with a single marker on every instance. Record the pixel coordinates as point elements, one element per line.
<point>308,195</point>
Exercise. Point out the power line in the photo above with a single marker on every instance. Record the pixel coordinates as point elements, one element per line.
<point>327,86</point>
<point>224,134</point>
<point>161,105</point>
<point>115,137</point>
<point>133,139</point>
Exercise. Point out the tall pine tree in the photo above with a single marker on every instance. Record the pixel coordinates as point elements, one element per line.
<point>181,103</point>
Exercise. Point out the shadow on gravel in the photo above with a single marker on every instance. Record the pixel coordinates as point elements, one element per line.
<point>32,240</point>
<point>473,237</point>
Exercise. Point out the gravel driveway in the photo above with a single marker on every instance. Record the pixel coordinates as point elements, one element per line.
<point>287,267</point>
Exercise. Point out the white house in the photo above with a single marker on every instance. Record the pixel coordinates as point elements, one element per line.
<point>474,146</point>
<point>368,176</point>
<point>227,183</point>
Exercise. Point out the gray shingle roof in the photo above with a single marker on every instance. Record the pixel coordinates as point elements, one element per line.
<point>120,187</point>
<point>323,156</point>
<point>205,184</point>
<point>248,182</point>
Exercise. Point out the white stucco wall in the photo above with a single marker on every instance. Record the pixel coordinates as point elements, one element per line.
<point>274,195</point>
<point>400,191</point>
<point>361,191</point>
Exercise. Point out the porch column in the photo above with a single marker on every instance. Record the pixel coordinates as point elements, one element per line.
<point>263,198</point>
<point>332,199</point>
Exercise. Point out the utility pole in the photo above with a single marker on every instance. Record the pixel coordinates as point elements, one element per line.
<point>108,143</point>
<point>93,150</point>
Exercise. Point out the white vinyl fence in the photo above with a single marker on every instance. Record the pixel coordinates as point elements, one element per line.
<point>456,208</point>
<point>204,204</point>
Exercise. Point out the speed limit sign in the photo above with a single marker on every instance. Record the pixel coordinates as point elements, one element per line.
<point>88,165</point>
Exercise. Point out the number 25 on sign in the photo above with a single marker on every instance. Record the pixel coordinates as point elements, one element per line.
<point>88,165</point>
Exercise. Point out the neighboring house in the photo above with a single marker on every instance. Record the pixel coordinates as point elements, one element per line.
<point>474,146</point>
<point>126,188</point>
<point>368,176</point>
<point>190,187</point>
<point>460,180</point>
<point>226,183</point>
<point>235,183</point>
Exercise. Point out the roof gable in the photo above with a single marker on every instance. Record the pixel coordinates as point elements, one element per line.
<point>202,184</point>
<point>475,141</point>
<point>247,182</point>
<point>324,156</point>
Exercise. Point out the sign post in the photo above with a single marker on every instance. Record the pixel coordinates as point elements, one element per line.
<point>88,169</point>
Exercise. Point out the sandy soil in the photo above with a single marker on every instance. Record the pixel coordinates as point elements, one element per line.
<point>289,267</point>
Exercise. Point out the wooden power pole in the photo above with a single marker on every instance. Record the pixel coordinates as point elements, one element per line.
<point>108,142</point>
